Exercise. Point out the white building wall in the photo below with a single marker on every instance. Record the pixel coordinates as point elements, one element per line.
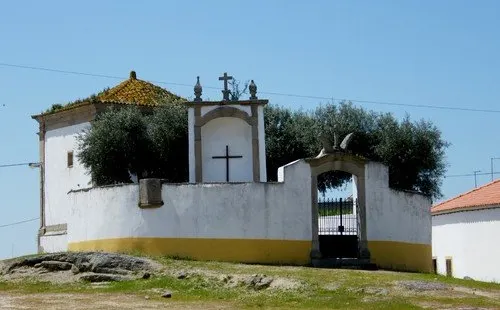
<point>394,215</point>
<point>59,179</point>
<point>469,238</point>
<point>262,145</point>
<point>354,181</point>
<point>248,211</point>
<point>235,133</point>
<point>192,165</point>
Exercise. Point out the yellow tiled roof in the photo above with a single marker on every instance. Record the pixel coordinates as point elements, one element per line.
<point>131,91</point>
<point>135,91</point>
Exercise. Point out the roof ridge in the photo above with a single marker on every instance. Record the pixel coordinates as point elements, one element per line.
<point>467,193</point>
<point>162,89</point>
<point>159,88</point>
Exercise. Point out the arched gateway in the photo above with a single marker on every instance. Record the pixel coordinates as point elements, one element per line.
<point>355,165</point>
<point>388,228</point>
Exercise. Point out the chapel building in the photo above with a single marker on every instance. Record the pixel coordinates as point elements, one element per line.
<point>227,211</point>
<point>60,169</point>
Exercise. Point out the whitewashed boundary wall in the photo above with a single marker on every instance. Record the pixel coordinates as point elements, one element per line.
<point>248,222</point>
<point>398,223</point>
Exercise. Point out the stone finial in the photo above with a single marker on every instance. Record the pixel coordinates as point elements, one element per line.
<point>197,90</point>
<point>345,142</point>
<point>328,148</point>
<point>253,90</point>
<point>133,75</point>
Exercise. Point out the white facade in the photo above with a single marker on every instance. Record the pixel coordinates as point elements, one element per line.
<point>59,179</point>
<point>469,240</point>
<point>235,132</point>
<point>237,135</point>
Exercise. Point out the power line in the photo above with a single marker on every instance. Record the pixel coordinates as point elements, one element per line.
<point>469,174</point>
<point>18,164</point>
<point>81,73</point>
<point>262,92</point>
<point>20,222</point>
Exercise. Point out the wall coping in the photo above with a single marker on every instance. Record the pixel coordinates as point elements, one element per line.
<point>408,191</point>
<point>165,182</point>
<point>86,189</point>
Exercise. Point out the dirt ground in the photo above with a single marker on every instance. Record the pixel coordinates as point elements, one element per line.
<point>77,301</point>
<point>198,285</point>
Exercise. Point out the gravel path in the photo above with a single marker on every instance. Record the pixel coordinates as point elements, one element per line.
<point>76,301</point>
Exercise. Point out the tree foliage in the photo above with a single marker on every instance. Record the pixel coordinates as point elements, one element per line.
<point>110,149</point>
<point>124,141</point>
<point>288,137</point>
<point>413,151</point>
<point>168,133</point>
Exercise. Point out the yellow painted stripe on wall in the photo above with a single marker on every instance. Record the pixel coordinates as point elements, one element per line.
<point>268,251</point>
<point>401,255</point>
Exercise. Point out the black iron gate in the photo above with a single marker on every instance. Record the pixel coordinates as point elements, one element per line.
<point>338,228</point>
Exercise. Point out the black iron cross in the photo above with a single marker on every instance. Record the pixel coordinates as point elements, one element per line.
<point>227,157</point>
<point>226,90</point>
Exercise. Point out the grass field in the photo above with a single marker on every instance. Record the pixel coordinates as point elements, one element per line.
<point>206,287</point>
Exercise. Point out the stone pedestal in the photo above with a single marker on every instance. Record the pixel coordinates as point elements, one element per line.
<point>150,193</point>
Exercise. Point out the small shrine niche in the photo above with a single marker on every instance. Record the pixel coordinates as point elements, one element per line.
<point>226,137</point>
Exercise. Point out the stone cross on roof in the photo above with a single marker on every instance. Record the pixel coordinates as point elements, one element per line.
<point>226,90</point>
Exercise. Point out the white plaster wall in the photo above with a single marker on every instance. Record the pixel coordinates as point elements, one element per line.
<point>59,179</point>
<point>245,210</point>
<point>192,165</point>
<point>354,181</point>
<point>54,243</point>
<point>470,239</point>
<point>262,144</point>
<point>393,215</point>
<point>244,108</point>
<point>235,133</point>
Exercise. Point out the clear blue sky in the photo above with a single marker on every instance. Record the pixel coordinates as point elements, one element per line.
<point>410,52</point>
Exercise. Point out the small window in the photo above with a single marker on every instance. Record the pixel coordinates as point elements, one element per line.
<point>449,270</point>
<point>434,265</point>
<point>70,159</point>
